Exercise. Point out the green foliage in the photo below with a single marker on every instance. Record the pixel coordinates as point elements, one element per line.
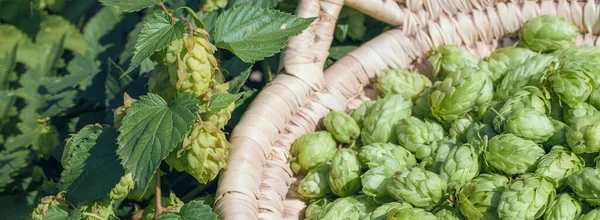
<point>195,210</point>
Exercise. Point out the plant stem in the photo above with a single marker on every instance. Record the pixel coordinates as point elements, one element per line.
<point>158,210</point>
<point>267,71</point>
<point>162,5</point>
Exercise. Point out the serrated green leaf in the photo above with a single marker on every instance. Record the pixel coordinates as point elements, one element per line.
<point>82,69</point>
<point>150,130</point>
<point>91,168</point>
<point>11,162</point>
<point>221,100</point>
<point>237,69</point>
<point>52,29</point>
<point>55,213</point>
<point>258,3</point>
<point>55,104</point>
<point>194,16</point>
<point>255,33</point>
<point>101,24</point>
<point>194,210</point>
<point>115,84</point>
<point>158,33</point>
<point>7,64</point>
<point>130,5</point>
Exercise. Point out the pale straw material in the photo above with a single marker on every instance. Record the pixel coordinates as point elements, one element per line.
<point>258,182</point>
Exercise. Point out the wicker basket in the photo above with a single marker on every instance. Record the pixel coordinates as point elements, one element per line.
<point>258,182</point>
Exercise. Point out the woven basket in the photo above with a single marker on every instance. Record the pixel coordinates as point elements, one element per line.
<point>258,182</point>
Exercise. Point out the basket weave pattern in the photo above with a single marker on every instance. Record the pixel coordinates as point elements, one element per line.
<point>258,182</point>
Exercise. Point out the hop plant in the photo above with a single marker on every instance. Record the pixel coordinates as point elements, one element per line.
<point>380,124</point>
<point>316,208</point>
<point>312,150</point>
<point>102,209</point>
<point>479,198</point>
<point>457,94</point>
<point>315,184</point>
<point>380,212</point>
<point>558,164</point>
<point>448,59</point>
<point>547,33</point>
<point>171,203</point>
<point>419,187</point>
<point>526,197</point>
<point>585,184</point>
<point>47,203</point>
<point>529,124</point>
<point>122,188</point>
<point>512,155</point>
<point>563,207</point>
<point>386,154</point>
<point>461,165</point>
<point>344,178</point>
<point>219,118</point>
<point>419,136</point>
<point>343,127</point>
<point>504,59</point>
<point>374,183</point>
<point>407,84</point>
<point>583,137</point>
<point>410,214</point>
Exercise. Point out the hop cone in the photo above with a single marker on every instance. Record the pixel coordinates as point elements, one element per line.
<point>547,33</point>
<point>316,208</point>
<point>573,84</point>
<point>528,97</point>
<point>45,204</point>
<point>594,98</point>
<point>504,59</point>
<point>213,5</point>
<point>487,93</point>
<point>380,212</point>
<point>558,164</point>
<point>419,136</point>
<point>444,148</point>
<point>419,187</point>
<point>583,136</point>
<point>407,84</point>
<point>421,107</point>
<point>487,113</point>
<point>585,183</point>
<point>343,127</point>
<point>512,155</point>
<point>171,203</point>
<point>312,150</point>
<point>122,188</point>
<point>410,214</point>
<point>582,109</point>
<point>386,154</point>
<point>560,134</point>
<point>448,213</point>
<point>526,197</point>
<point>220,118</point>
<point>352,207</point>
<point>479,198</point>
<point>380,124</point>
<point>102,209</point>
<point>459,128</point>
<point>316,183</point>
<point>461,165</point>
<point>344,178</point>
<point>530,73</point>
<point>361,112</point>
<point>563,207</point>
<point>449,59</point>
<point>479,135</point>
<point>374,183</point>
<point>529,124</point>
<point>585,57</point>
<point>457,94</point>
<point>592,215</point>
<point>202,154</point>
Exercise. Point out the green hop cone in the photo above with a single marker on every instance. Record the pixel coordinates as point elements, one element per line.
<point>448,59</point>
<point>487,93</point>
<point>410,214</point>
<point>563,207</point>
<point>479,135</point>
<point>460,127</point>
<point>560,134</point>
<point>343,127</point>
<point>479,198</point>
<point>444,148</point>
<point>421,108</point>
<point>592,215</point>
<point>419,187</point>
<point>213,5</point>
<point>585,183</point>
<point>380,212</point>
<point>315,184</point>
<point>171,203</point>
<point>316,208</point>
<point>419,136</point>
<point>361,112</point>
<point>102,209</point>
<point>219,118</point>
<point>504,59</point>
<point>528,97</point>
<point>529,124</point>
<point>344,178</point>
<point>122,188</point>
<point>583,136</point>
<point>47,203</point>
<point>448,213</point>
<point>530,73</point>
<point>374,183</point>
<point>312,150</point>
<point>594,98</point>
<point>405,83</point>
<point>461,165</point>
<point>511,155</point>
<point>572,84</point>
<point>547,33</point>
<point>584,57</point>
<point>457,94</point>
<point>558,164</point>
<point>386,154</point>
<point>582,109</point>
<point>352,207</point>
<point>380,125</point>
<point>526,197</point>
